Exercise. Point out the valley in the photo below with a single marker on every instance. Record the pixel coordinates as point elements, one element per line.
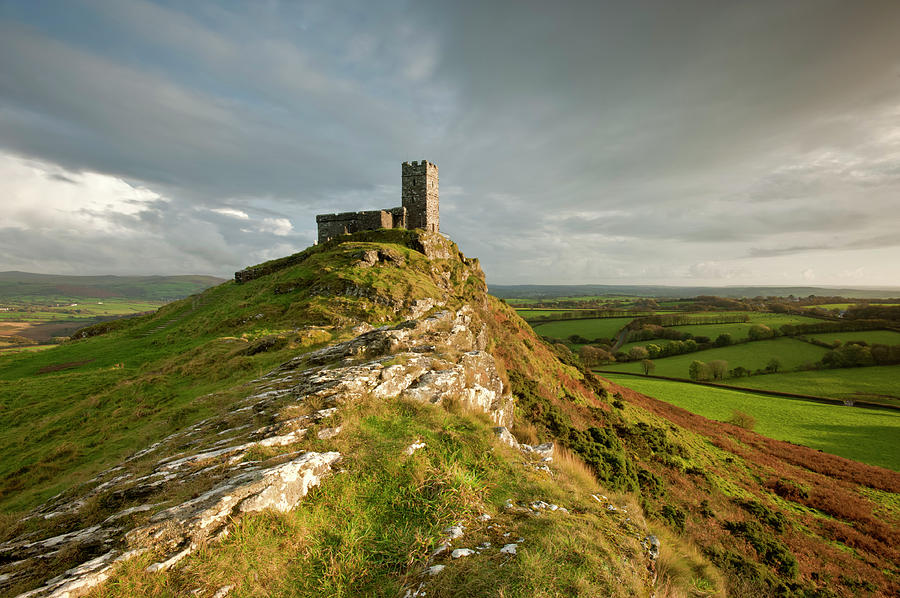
<point>777,347</point>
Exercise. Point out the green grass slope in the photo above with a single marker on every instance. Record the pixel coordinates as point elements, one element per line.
<point>867,435</point>
<point>84,405</point>
<point>876,383</point>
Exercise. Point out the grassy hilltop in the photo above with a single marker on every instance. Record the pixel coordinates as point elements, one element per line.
<point>737,513</point>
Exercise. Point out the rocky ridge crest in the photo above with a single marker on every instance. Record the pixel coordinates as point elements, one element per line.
<point>183,491</point>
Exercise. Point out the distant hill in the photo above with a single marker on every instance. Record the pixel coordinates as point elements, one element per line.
<point>27,286</point>
<point>541,291</point>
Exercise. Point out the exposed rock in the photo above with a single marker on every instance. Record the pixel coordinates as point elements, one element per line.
<point>83,578</point>
<point>454,531</point>
<point>506,436</point>
<point>461,552</point>
<point>211,457</point>
<point>544,450</point>
<point>367,258</point>
<point>414,447</point>
<point>328,433</point>
<point>434,570</point>
<point>651,543</point>
<point>222,592</point>
<point>509,549</point>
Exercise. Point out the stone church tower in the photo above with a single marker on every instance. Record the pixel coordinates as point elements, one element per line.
<point>419,195</point>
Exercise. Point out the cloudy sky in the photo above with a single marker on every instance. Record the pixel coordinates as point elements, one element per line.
<point>670,142</point>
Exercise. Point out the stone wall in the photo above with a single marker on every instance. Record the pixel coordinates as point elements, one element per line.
<point>345,223</point>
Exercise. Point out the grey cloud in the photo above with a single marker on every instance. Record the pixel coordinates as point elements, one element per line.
<point>587,139</point>
<point>878,242</point>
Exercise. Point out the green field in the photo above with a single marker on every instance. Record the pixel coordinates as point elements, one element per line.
<point>545,312</point>
<point>790,352</point>
<point>868,435</point>
<point>884,337</point>
<point>11,349</point>
<point>740,330</point>
<point>868,383</point>
<point>84,308</point>
<point>842,305</point>
<point>591,329</point>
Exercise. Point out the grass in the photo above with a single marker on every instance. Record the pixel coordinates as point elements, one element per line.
<point>879,383</point>
<point>755,355</point>
<point>884,337</point>
<point>590,329</point>
<point>370,530</point>
<point>9,350</point>
<point>844,305</point>
<point>549,312</point>
<point>868,435</point>
<point>739,331</point>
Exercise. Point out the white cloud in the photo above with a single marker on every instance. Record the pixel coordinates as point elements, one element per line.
<point>276,226</point>
<point>42,197</point>
<point>231,212</point>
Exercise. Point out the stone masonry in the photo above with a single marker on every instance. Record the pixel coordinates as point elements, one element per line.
<point>419,209</point>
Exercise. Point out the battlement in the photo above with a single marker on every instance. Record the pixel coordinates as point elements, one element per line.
<point>418,168</point>
<point>419,209</point>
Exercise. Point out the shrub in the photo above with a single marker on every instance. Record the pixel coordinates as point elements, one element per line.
<point>650,484</point>
<point>674,516</point>
<point>770,550</point>
<point>742,420</point>
<point>773,519</point>
<point>788,489</point>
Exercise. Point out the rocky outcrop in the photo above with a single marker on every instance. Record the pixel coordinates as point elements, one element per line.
<point>184,490</point>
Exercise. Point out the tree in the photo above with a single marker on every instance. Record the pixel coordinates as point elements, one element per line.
<point>718,368</point>
<point>592,356</point>
<point>759,332</point>
<point>724,339</point>
<point>637,352</point>
<point>648,366</point>
<point>773,366</point>
<point>698,370</point>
